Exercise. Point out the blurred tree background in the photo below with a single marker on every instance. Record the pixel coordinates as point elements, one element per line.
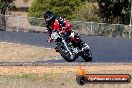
<point>108,11</point>
<point>6,5</point>
<point>114,11</point>
<point>70,9</point>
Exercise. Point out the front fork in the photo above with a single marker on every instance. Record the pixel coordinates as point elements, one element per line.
<point>67,47</point>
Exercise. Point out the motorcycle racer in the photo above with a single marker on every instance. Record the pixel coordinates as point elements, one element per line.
<point>54,23</point>
<point>68,43</point>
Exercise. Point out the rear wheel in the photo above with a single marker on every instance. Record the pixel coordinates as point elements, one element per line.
<point>87,55</point>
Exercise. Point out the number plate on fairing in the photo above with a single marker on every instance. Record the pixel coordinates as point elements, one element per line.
<point>54,35</point>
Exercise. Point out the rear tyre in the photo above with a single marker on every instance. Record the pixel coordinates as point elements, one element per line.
<point>87,56</point>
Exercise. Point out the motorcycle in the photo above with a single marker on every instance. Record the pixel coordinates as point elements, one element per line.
<point>72,47</point>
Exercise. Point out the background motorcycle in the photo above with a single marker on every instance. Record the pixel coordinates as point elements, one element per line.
<point>71,47</point>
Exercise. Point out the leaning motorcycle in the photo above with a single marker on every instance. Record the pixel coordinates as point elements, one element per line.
<point>72,47</point>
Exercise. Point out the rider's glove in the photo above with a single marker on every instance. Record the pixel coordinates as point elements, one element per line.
<point>49,40</point>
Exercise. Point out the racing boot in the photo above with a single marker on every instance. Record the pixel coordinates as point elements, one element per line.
<point>56,49</point>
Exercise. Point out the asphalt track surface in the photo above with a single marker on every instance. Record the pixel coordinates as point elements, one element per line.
<point>104,49</point>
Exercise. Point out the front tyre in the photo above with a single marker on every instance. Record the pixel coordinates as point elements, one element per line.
<point>87,55</point>
<point>66,55</point>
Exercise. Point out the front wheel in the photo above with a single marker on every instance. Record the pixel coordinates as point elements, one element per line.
<point>66,55</point>
<point>87,55</point>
